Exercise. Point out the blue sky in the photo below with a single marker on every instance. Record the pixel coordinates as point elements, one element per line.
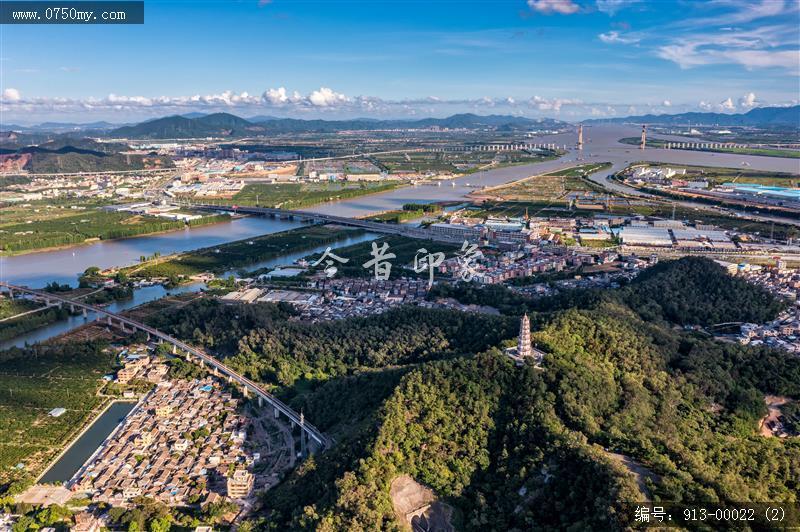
<point>567,59</point>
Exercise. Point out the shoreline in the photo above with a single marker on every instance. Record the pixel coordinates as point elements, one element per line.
<point>96,240</point>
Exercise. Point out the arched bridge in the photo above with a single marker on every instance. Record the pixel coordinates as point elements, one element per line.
<point>377,227</point>
<point>311,438</point>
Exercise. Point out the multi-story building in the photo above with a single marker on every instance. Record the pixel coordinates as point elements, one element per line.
<point>239,484</point>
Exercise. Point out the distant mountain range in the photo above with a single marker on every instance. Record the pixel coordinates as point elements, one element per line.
<point>762,116</point>
<point>76,155</point>
<point>228,125</point>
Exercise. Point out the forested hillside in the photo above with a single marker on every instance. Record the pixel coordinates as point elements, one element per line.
<point>626,407</point>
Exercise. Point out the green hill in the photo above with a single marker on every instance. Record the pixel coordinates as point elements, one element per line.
<point>626,407</point>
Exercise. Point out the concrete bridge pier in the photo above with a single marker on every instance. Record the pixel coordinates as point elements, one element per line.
<point>85,314</point>
<point>303,443</point>
<point>72,309</point>
<point>277,413</point>
<point>260,401</point>
<point>108,321</point>
<point>245,391</point>
<point>174,349</point>
<point>188,358</point>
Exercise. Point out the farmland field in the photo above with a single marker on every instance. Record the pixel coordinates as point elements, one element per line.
<point>42,225</point>
<point>298,195</point>
<point>33,382</point>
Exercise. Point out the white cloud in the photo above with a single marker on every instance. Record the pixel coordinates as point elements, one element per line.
<point>279,96</point>
<point>325,97</point>
<point>11,95</point>
<point>326,103</point>
<point>613,37</point>
<point>554,104</point>
<point>727,105</point>
<point>562,7</point>
<point>763,47</point>
<point>748,101</point>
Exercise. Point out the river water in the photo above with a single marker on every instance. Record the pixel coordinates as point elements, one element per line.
<point>64,265</point>
<point>601,143</point>
<point>151,293</point>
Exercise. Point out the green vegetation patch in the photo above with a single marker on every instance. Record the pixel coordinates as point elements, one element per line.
<point>241,253</point>
<point>298,195</point>
<point>77,228</point>
<point>33,381</point>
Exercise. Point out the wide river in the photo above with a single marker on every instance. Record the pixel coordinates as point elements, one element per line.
<point>601,144</point>
<point>37,269</point>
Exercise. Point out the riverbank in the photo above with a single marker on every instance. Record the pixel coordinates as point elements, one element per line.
<point>212,220</point>
<point>239,254</point>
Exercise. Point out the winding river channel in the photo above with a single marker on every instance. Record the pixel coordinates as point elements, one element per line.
<point>63,265</point>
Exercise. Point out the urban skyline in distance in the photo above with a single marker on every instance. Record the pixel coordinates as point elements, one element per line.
<point>564,59</point>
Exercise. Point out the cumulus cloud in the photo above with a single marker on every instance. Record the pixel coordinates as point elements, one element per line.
<point>614,37</point>
<point>727,105</point>
<point>280,96</point>
<point>551,104</point>
<point>748,101</point>
<point>325,97</point>
<point>562,7</point>
<point>326,102</point>
<point>11,95</point>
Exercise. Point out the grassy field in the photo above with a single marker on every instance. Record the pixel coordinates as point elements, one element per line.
<point>550,187</point>
<point>41,225</point>
<point>404,248</point>
<point>12,307</point>
<point>241,253</point>
<point>764,152</point>
<point>34,381</point>
<point>298,195</point>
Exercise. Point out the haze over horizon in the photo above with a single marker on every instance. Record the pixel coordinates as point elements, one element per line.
<point>563,59</point>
